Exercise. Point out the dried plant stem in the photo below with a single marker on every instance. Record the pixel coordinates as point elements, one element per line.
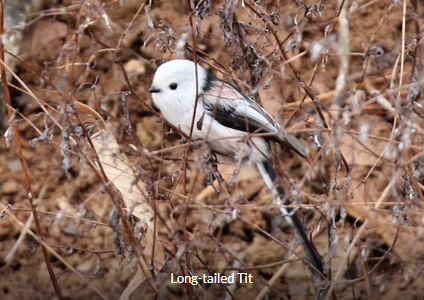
<point>330,94</point>
<point>44,245</point>
<point>361,229</point>
<point>402,60</point>
<point>279,273</point>
<point>184,216</point>
<point>364,270</point>
<point>118,46</point>
<point>101,175</point>
<point>308,90</point>
<point>74,54</point>
<point>30,93</point>
<point>297,56</point>
<point>382,153</point>
<point>21,156</point>
<point>15,247</point>
<point>343,48</point>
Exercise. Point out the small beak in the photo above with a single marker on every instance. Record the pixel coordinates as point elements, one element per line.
<point>154,89</point>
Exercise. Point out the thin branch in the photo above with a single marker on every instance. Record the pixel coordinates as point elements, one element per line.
<point>21,156</point>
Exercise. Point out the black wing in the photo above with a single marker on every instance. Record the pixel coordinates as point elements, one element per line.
<point>229,107</point>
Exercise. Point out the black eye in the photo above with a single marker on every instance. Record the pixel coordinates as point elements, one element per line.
<point>173,86</point>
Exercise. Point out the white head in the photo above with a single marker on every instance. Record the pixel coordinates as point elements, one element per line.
<point>176,80</point>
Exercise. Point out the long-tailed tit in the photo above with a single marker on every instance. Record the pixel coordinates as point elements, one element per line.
<point>227,121</point>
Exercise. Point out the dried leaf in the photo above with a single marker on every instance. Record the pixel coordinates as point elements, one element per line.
<point>119,171</point>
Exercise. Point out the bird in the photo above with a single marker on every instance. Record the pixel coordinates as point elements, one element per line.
<point>236,129</point>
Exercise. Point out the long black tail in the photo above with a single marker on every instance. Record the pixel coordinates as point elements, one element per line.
<point>269,175</point>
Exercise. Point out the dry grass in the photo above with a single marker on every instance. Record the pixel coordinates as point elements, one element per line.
<point>345,76</point>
